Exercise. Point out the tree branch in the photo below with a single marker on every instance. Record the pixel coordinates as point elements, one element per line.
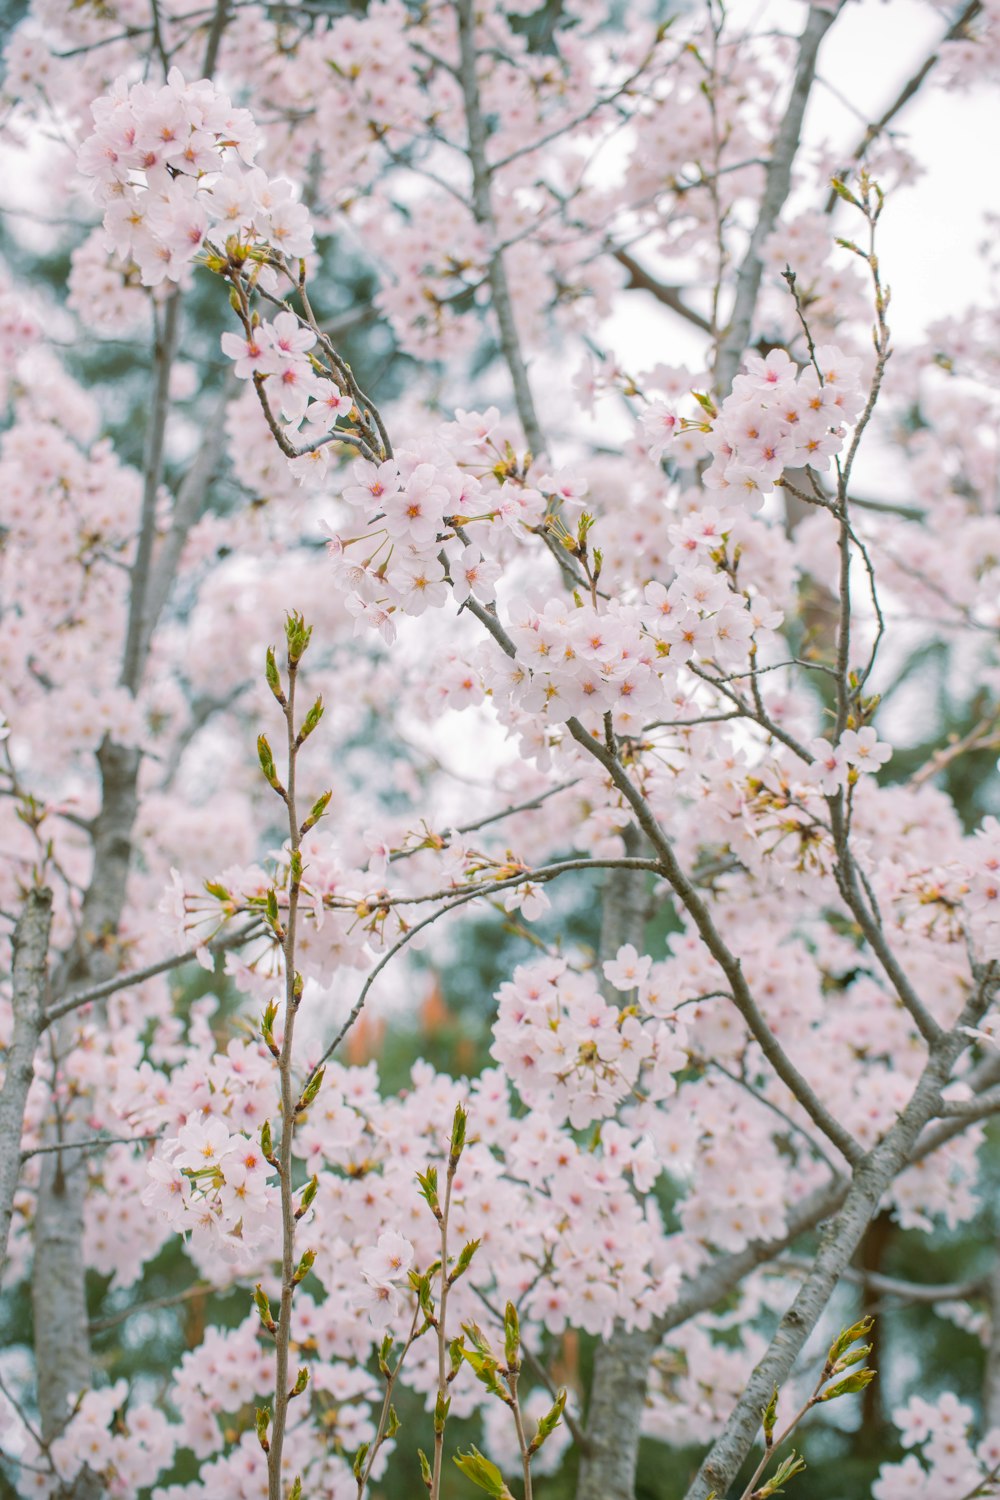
<point>139,976</point>
<point>871,1178</point>
<point>483,210</point>
<point>906,93</point>
<point>643,280</point>
<point>777,183</point>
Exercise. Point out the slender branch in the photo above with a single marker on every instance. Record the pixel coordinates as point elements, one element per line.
<point>506,812</point>
<point>643,280</point>
<point>293,994</point>
<point>543,874</point>
<point>89,1144</point>
<point>138,632</point>
<point>775,1109</point>
<point>154,1304</point>
<point>724,957</point>
<point>871,1178</point>
<point>483,210</point>
<point>985,736</point>
<point>846,875</point>
<point>218,26</point>
<point>954,33</point>
<point>894,1286</point>
<point>139,976</point>
<point>980,1107</point>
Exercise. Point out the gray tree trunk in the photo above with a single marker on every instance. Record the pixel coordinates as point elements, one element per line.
<point>59,1295</point>
<point>28,982</point>
<point>621,1363</point>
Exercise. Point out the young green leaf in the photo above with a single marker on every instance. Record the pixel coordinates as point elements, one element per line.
<point>486,1475</point>
<point>548,1424</point>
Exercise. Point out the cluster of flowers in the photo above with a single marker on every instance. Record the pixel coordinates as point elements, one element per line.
<point>570,1051</point>
<point>948,1463</point>
<point>174,165</point>
<point>279,351</point>
<point>776,417</point>
<point>383,1266</point>
<point>207,1180</point>
<point>837,766</point>
<point>97,1438</point>
<point>981,896</point>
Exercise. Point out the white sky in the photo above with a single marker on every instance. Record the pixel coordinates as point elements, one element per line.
<point>930,233</point>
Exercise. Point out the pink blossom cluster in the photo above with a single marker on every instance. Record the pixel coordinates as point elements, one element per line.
<point>174,167</point>
<point>210,1182</point>
<point>981,889</point>
<point>128,1453</point>
<point>567,1049</point>
<point>948,1462</point>
<point>778,417</point>
<point>835,767</point>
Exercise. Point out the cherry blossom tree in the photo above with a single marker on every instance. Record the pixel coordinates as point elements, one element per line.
<point>511,623</point>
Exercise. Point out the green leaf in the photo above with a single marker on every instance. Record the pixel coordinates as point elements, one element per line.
<point>850,1385</point>
<point>511,1337</point>
<point>464,1260</point>
<point>297,636</point>
<point>262,1422</point>
<point>263,1307</point>
<point>477,1337</point>
<point>486,1475</point>
<point>273,676</point>
<point>310,721</point>
<point>843,191</point>
<point>359,1460</point>
<point>271,911</point>
<point>301,1381</point>
<point>422,1286</point>
<point>485,1367</point>
<point>768,1416</point>
<point>308,1194</point>
<point>548,1424</point>
<point>457,1135</point>
<point>848,1336</point>
<point>319,807</point>
<point>393,1425</point>
<point>310,1091</point>
<point>267,1025</point>
<point>425,1468</point>
<point>266,759</point>
<point>429,1189</point>
<point>786,1470</point>
<point>304,1267</point>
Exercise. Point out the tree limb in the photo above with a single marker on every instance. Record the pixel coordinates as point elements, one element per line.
<point>777,183</point>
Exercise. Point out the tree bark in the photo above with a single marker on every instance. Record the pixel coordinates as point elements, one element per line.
<point>59,1294</point>
<point>28,984</point>
<point>843,1235</point>
<point>991,1377</point>
<point>621,1362</point>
